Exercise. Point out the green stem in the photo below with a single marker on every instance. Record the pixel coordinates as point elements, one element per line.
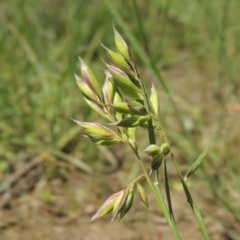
<point>155,187</point>
<point>167,189</point>
<point>160,201</point>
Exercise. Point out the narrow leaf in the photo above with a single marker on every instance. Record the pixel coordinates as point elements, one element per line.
<point>196,164</point>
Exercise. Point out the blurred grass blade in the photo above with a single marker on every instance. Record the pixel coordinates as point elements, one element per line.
<point>196,164</point>
<point>69,137</point>
<point>73,160</point>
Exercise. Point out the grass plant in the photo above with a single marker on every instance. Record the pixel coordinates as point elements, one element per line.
<point>39,45</point>
<point>217,47</point>
<point>125,103</point>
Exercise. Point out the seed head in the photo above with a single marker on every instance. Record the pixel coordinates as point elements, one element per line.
<point>89,77</point>
<point>157,161</point>
<point>97,107</point>
<point>86,90</point>
<point>121,45</point>
<point>132,121</point>
<point>121,107</point>
<point>98,133</point>
<point>137,108</point>
<point>117,59</point>
<point>142,194</point>
<point>124,83</point>
<point>108,89</point>
<point>108,205</point>
<point>152,150</point>
<point>129,201</point>
<point>154,99</point>
<point>165,148</point>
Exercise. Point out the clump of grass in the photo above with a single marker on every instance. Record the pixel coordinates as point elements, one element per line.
<point>125,103</point>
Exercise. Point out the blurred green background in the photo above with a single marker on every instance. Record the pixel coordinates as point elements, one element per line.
<point>194,44</point>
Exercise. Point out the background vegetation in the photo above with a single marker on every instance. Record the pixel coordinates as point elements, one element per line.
<point>194,45</point>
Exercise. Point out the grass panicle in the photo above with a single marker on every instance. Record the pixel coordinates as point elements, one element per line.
<point>136,109</point>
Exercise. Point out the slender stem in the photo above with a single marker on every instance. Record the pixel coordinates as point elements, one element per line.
<point>159,199</point>
<point>168,213</point>
<point>155,187</point>
<point>151,133</point>
<point>167,189</point>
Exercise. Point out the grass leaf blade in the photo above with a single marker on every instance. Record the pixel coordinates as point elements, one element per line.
<point>196,164</point>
